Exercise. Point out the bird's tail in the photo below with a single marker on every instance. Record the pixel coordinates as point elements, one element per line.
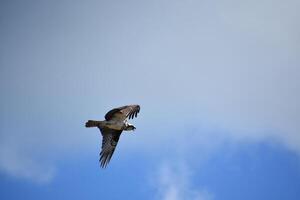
<point>92,123</point>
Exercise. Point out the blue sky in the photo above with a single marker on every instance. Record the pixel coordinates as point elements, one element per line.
<point>217,82</point>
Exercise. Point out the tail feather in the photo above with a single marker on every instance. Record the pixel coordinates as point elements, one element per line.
<point>92,123</point>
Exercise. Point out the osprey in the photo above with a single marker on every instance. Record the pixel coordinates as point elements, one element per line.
<point>116,120</point>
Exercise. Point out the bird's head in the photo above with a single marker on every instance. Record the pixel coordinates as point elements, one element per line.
<point>130,127</point>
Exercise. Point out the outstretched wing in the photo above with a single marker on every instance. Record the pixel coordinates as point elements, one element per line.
<point>123,112</point>
<point>109,142</point>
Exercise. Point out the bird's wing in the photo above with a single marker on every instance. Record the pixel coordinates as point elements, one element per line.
<point>123,112</point>
<point>109,142</point>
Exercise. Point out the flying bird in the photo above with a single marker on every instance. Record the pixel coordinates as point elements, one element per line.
<point>116,121</point>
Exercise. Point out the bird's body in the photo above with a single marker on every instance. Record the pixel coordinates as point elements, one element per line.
<point>111,124</point>
<point>111,128</point>
<point>115,125</point>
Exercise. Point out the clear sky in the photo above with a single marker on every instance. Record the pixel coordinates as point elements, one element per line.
<point>218,83</point>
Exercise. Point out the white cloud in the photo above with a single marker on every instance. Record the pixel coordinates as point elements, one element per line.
<point>173,183</point>
<point>18,163</point>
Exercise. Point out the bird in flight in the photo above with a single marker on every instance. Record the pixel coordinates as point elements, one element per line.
<point>116,121</point>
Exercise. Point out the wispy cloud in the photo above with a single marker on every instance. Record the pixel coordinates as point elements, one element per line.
<point>174,183</point>
<point>19,163</point>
